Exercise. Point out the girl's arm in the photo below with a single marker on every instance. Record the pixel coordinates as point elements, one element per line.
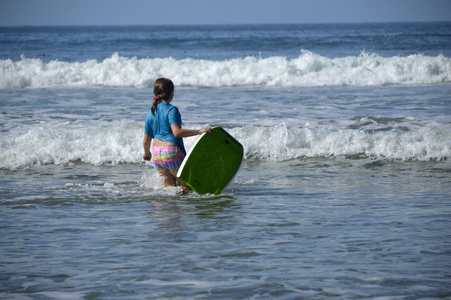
<point>146,144</point>
<point>182,133</point>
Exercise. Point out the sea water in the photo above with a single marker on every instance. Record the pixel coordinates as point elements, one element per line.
<point>344,192</point>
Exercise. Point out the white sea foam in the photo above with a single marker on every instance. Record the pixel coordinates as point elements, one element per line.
<point>121,142</point>
<point>309,69</point>
<point>117,143</point>
<point>282,143</point>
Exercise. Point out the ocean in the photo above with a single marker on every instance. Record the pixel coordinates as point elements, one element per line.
<point>344,191</point>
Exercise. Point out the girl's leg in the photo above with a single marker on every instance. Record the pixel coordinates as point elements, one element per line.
<point>169,178</point>
<point>185,188</point>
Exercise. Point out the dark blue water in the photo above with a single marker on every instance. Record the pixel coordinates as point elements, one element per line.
<point>225,42</point>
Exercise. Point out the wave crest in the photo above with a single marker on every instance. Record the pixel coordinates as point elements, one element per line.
<point>121,142</point>
<point>283,143</point>
<point>309,69</point>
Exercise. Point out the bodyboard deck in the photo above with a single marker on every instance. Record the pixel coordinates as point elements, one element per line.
<point>212,162</point>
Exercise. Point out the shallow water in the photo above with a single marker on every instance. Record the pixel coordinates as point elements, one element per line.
<point>327,228</point>
<point>298,221</point>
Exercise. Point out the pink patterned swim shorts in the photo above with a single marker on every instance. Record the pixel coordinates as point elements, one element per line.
<point>167,158</point>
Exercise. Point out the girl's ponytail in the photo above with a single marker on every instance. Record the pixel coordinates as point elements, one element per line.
<point>163,90</point>
<point>155,103</point>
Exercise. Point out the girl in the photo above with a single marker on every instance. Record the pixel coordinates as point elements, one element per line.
<point>164,125</point>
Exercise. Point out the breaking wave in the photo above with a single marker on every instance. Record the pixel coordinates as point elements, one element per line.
<point>309,69</point>
<point>121,142</point>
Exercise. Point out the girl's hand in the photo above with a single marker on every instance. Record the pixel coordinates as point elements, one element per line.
<point>147,157</point>
<point>205,129</point>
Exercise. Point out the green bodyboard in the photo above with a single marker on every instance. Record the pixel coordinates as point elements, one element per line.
<point>212,162</point>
